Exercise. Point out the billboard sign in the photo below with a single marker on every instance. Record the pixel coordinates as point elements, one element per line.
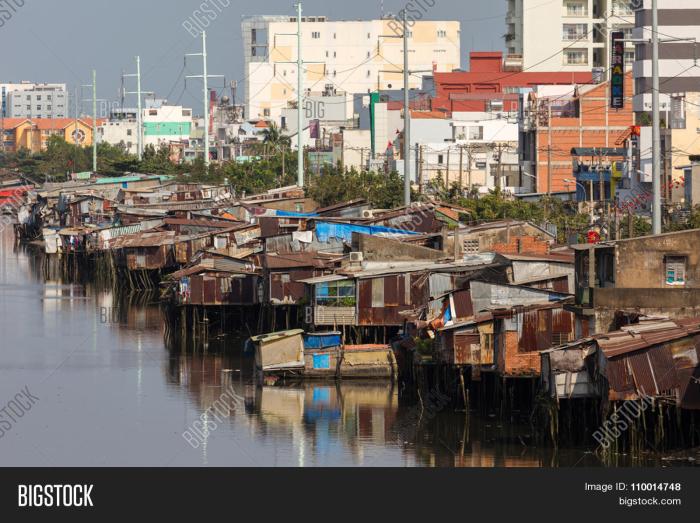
<point>617,72</point>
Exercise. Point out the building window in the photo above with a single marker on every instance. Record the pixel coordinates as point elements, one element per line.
<point>442,33</point>
<point>336,294</point>
<point>576,57</point>
<point>675,270</point>
<point>440,159</point>
<point>572,32</point>
<point>475,133</point>
<point>266,112</point>
<point>128,132</point>
<point>315,35</point>
<point>622,7</point>
<point>576,9</point>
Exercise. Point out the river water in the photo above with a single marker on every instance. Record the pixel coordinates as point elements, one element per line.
<point>111,394</point>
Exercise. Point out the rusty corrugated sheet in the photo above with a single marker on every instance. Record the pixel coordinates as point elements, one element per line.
<point>463,304</point>
<point>391,291</point>
<point>467,348</point>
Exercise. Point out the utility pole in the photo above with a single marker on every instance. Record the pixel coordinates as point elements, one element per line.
<point>656,121</point>
<point>94,121</point>
<point>420,168</point>
<point>549,147</point>
<point>461,178</point>
<point>406,118</point>
<point>300,99</point>
<point>94,101</point>
<point>139,115</point>
<point>300,95</point>
<point>205,80</point>
<point>447,170</point>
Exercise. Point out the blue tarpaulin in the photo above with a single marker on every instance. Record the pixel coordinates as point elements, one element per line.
<point>343,231</point>
<point>292,214</point>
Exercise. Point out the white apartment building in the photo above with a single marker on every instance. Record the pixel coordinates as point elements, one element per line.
<point>6,90</point>
<point>162,124</point>
<point>678,60</point>
<point>566,35</point>
<point>349,56</point>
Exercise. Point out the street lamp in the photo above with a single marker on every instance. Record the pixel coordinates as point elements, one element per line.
<point>590,206</point>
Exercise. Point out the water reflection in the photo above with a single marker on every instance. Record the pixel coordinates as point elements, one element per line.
<point>98,354</point>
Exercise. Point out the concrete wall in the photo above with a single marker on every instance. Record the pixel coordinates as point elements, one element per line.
<point>385,249</point>
<point>640,262</point>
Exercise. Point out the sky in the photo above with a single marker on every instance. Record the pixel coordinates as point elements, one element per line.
<point>62,41</point>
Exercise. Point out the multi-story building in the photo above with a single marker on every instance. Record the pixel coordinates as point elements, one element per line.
<point>492,84</point>
<point>33,135</point>
<point>350,56</point>
<point>679,20</point>
<point>566,35</point>
<point>40,101</point>
<point>651,275</point>
<point>559,119</point>
<point>7,88</point>
<point>163,124</point>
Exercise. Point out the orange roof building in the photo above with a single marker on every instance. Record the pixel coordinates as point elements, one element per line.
<point>33,134</point>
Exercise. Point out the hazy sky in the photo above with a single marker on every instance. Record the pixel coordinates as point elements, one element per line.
<point>62,40</point>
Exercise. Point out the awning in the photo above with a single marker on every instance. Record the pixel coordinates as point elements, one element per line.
<point>324,279</point>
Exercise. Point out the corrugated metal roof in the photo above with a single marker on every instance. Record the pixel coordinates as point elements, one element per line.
<point>636,337</point>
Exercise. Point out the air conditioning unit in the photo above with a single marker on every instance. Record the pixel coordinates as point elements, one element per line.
<point>368,214</point>
<point>357,257</point>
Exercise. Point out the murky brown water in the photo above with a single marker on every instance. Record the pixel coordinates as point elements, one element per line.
<point>110,393</point>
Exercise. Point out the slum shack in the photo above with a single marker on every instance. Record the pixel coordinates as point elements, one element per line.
<point>280,353</point>
<point>368,361</point>
<point>291,354</point>
<point>322,354</point>
<point>646,373</point>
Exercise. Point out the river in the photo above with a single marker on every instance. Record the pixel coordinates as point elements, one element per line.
<point>110,393</point>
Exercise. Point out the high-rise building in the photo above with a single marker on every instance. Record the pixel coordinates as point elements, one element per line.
<point>566,35</point>
<point>37,101</point>
<point>679,52</point>
<point>348,56</point>
<point>7,88</point>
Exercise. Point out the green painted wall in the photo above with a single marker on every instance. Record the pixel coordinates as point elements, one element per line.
<point>166,128</point>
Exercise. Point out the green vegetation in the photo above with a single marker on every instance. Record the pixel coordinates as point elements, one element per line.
<point>273,165</point>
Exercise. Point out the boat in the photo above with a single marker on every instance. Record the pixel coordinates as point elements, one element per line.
<point>320,355</point>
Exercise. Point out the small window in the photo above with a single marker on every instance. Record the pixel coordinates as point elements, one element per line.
<point>442,33</point>
<point>440,159</point>
<point>675,270</point>
<point>315,35</point>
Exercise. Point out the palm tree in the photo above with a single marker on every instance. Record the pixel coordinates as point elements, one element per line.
<point>273,137</point>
